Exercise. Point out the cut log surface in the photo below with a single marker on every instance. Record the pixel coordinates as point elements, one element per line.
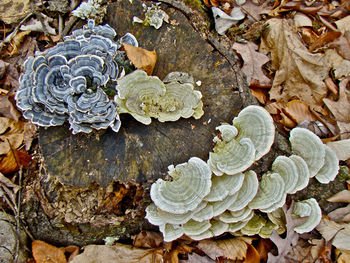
<point>139,152</point>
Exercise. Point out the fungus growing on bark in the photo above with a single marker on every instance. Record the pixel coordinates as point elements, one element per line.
<point>314,215</point>
<point>145,96</point>
<point>67,82</point>
<point>191,182</point>
<point>309,147</point>
<point>330,168</point>
<point>256,123</point>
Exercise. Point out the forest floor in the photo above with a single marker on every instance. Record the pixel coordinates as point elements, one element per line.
<point>296,59</point>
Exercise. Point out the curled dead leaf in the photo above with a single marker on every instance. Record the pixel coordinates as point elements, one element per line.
<point>14,160</point>
<point>141,58</point>
<point>233,248</point>
<point>44,253</point>
<point>299,111</point>
<point>148,239</point>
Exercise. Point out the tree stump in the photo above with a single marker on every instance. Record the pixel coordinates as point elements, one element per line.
<point>97,185</point>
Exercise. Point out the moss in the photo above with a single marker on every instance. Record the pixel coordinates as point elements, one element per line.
<point>196,4</point>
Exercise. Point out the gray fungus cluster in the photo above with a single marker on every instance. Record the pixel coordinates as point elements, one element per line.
<point>68,82</point>
<point>206,199</point>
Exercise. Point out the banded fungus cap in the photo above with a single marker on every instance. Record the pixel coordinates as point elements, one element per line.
<point>310,147</point>
<point>313,219</point>
<point>330,168</point>
<point>191,182</point>
<point>255,123</point>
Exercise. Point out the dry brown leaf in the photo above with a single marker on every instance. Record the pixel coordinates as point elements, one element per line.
<point>193,257</point>
<point>16,42</point>
<point>253,61</point>
<point>8,183</point>
<point>341,108</point>
<point>299,111</point>
<point>324,39</point>
<point>141,58</point>
<point>287,121</point>
<point>173,251</point>
<point>331,86</point>
<point>264,247</point>
<point>344,130</point>
<point>342,256</point>
<point>148,239</point>
<point>340,66</point>
<point>342,196</point>
<point>340,215</point>
<point>7,109</point>
<point>14,160</point>
<point>341,149</point>
<point>11,134</point>
<point>342,45</point>
<point>338,233</point>
<point>118,253</point>
<point>252,256</point>
<point>233,248</point>
<point>343,24</point>
<point>45,253</point>
<point>299,73</point>
<point>308,251</point>
<point>259,94</point>
<point>308,35</point>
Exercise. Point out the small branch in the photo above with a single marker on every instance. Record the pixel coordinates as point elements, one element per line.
<point>69,25</point>
<point>14,32</point>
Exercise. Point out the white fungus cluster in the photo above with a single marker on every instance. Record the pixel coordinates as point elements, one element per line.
<point>206,199</point>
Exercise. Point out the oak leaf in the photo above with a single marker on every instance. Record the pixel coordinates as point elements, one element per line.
<point>299,73</point>
<point>233,248</point>
<point>341,149</point>
<point>118,253</point>
<point>253,61</point>
<point>299,111</point>
<point>141,58</point>
<point>148,239</point>
<point>14,160</point>
<point>341,108</point>
<point>339,233</point>
<point>43,253</point>
<point>342,196</point>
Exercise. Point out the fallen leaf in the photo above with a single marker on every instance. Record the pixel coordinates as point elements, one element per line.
<point>342,196</point>
<point>339,232</point>
<point>13,161</point>
<point>308,35</point>
<point>8,183</point>
<point>264,247</point>
<point>193,257</point>
<point>253,61</point>
<point>45,253</point>
<point>259,94</point>
<point>305,251</point>
<point>29,134</point>
<point>343,24</point>
<point>344,130</point>
<point>341,149</point>
<point>148,239</point>
<point>299,111</point>
<point>299,73</point>
<point>252,256</point>
<point>340,215</point>
<point>141,58</point>
<point>16,42</point>
<point>324,39</point>
<point>342,45</point>
<point>11,134</point>
<point>285,245</point>
<point>12,11</point>
<point>341,108</point>
<point>340,66</point>
<point>342,256</point>
<point>331,85</point>
<point>35,25</point>
<point>172,252</point>
<point>302,20</point>
<point>118,253</point>
<point>3,66</point>
<point>7,109</point>
<point>233,248</point>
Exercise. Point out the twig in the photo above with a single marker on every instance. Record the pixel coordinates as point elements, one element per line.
<point>60,24</point>
<point>14,32</point>
<point>46,32</point>
<point>69,25</point>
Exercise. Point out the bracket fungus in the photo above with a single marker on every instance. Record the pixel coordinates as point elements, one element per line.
<point>313,218</point>
<point>191,182</point>
<point>145,96</point>
<point>233,197</point>
<point>308,146</point>
<point>256,123</point>
<point>67,82</point>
